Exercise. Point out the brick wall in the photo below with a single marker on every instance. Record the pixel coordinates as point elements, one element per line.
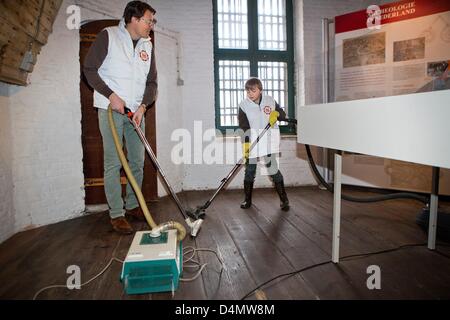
<point>41,176</point>
<point>193,19</point>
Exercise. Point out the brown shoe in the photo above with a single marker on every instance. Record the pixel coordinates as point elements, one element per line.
<point>136,213</point>
<point>121,225</point>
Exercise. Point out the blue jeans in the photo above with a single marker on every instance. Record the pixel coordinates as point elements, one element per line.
<point>112,164</point>
<point>270,163</point>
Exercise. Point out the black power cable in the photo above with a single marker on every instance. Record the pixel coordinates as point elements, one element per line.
<point>346,258</point>
<point>384,197</point>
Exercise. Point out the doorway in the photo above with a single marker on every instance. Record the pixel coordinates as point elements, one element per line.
<point>90,133</point>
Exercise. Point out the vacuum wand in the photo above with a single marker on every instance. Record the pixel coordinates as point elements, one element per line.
<point>193,224</point>
<point>235,168</point>
<point>201,209</point>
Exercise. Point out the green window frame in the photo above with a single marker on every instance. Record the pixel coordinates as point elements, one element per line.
<point>253,55</point>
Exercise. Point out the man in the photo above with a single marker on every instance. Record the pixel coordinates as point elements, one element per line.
<point>120,66</point>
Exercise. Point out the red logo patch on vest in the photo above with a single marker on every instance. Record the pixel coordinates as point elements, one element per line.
<point>267,110</point>
<point>144,55</point>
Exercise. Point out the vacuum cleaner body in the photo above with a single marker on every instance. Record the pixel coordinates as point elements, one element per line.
<point>153,264</point>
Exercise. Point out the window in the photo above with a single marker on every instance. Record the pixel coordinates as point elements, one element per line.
<point>252,38</point>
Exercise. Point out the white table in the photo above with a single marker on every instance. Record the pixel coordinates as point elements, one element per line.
<point>413,127</point>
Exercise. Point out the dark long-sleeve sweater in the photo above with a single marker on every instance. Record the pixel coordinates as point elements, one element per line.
<point>94,60</point>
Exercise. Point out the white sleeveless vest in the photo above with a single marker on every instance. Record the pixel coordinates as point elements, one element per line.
<point>125,68</point>
<point>258,118</point>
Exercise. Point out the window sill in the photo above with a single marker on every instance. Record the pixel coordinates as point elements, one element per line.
<point>283,136</point>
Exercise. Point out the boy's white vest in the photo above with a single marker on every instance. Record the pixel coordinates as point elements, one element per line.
<point>258,118</point>
<point>125,68</point>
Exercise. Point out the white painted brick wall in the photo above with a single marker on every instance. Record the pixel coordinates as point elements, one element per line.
<point>47,160</point>
<point>45,180</point>
<point>193,19</point>
<point>168,108</point>
<point>41,171</point>
<point>41,177</point>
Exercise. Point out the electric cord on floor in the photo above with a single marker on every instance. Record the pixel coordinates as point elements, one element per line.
<point>442,254</point>
<point>90,280</point>
<point>196,263</point>
<point>364,255</point>
<point>190,262</point>
<point>83,284</point>
<point>187,263</point>
<point>282,275</point>
<point>345,258</point>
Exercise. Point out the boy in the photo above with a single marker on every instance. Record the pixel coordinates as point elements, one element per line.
<point>254,113</point>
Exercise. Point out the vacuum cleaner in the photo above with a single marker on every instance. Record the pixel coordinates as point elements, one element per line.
<point>154,260</point>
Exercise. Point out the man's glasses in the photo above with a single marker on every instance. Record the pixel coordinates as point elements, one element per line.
<point>149,22</point>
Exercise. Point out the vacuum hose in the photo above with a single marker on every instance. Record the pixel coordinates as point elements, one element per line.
<point>168,225</point>
<point>384,197</point>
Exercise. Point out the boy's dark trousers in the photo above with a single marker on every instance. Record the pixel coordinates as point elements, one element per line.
<point>276,176</point>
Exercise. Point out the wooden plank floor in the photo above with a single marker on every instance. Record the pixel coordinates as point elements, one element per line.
<point>255,244</point>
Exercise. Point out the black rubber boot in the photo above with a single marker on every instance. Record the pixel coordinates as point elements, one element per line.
<point>284,202</point>
<point>248,188</point>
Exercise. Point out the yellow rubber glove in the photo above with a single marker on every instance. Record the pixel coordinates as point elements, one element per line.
<point>246,149</point>
<point>273,117</point>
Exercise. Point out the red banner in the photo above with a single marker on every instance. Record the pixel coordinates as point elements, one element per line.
<point>392,12</point>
